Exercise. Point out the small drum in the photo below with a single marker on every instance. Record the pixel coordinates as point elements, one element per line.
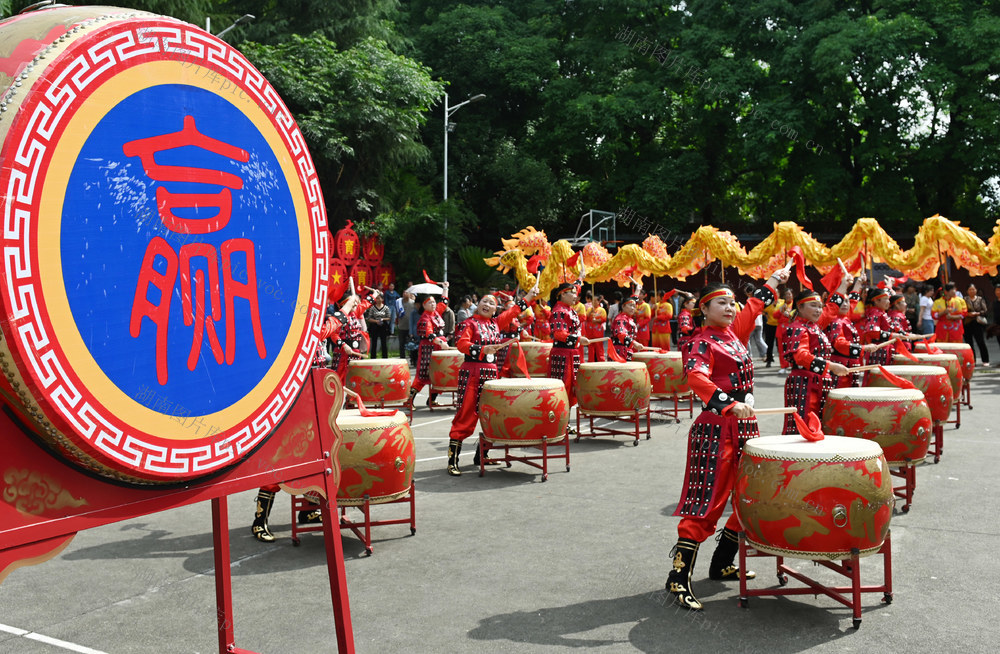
<point>536,356</point>
<point>613,389</point>
<point>898,419</point>
<point>379,381</point>
<point>932,381</point>
<point>814,500</point>
<point>524,411</point>
<point>666,372</point>
<point>376,458</point>
<point>444,370</point>
<point>963,350</point>
<point>949,361</point>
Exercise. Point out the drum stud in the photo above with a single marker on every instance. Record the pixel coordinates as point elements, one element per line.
<point>329,471</point>
<point>326,455</point>
<point>552,416</point>
<point>839,515</point>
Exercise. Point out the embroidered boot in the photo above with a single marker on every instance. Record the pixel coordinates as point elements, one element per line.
<point>454,449</point>
<point>432,401</point>
<point>723,566</point>
<point>409,403</point>
<point>259,528</point>
<point>313,515</point>
<point>679,580</point>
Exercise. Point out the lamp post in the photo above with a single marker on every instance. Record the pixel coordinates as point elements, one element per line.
<point>245,18</point>
<point>448,111</point>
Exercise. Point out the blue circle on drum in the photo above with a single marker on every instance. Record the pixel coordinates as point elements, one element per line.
<point>144,230</point>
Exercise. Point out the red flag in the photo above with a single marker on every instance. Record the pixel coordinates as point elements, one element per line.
<point>902,349</point>
<point>668,294</point>
<point>519,360</point>
<point>533,264</point>
<point>613,353</point>
<point>811,431</point>
<point>573,259</point>
<point>800,266</point>
<point>831,280</point>
<point>427,278</point>
<point>896,380</point>
<point>856,265</point>
<point>931,349</point>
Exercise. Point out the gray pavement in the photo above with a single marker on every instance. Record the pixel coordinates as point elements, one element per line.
<point>506,563</point>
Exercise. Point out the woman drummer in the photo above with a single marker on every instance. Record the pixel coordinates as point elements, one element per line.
<point>685,320</point>
<point>430,332</point>
<point>479,341</point>
<point>624,329</point>
<point>843,327</point>
<point>876,328</point>
<point>348,338</point>
<point>564,359</point>
<point>720,371</point>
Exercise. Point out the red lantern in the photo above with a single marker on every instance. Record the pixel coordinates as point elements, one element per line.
<point>348,244</point>
<point>385,275</point>
<point>338,279</point>
<point>374,250</point>
<point>363,275</point>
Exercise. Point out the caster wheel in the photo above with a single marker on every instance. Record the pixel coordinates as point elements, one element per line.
<point>413,531</point>
<point>635,443</point>
<point>296,542</point>
<point>576,440</point>
<point>545,478</point>
<point>648,437</point>
<point>906,508</point>
<point>957,427</point>
<point>887,598</point>
<point>509,464</point>
<point>744,602</point>
<point>937,459</point>
<point>857,623</point>
<point>368,551</point>
<point>567,468</point>
<point>782,580</point>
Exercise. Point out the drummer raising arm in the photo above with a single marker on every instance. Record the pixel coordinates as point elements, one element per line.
<point>720,372</point>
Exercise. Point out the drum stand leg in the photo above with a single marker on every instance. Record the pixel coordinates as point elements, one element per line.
<point>850,568</point>
<point>938,442</point>
<point>908,473</point>
<point>509,458</point>
<point>967,393</point>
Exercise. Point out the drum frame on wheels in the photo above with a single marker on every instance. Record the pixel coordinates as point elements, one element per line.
<point>938,429</point>
<point>849,596</point>
<point>966,394</point>
<point>508,458</point>
<point>674,413</point>
<point>634,417</point>
<point>300,503</point>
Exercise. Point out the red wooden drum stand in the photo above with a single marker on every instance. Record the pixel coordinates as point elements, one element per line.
<point>444,374</point>
<point>668,383</point>
<point>968,358</point>
<point>934,383</point>
<point>824,501</point>
<point>619,391</point>
<point>950,361</point>
<point>376,460</point>
<point>523,413</point>
<point>898,419</point>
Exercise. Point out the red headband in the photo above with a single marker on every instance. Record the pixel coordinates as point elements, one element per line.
<point>810,298</point>
<point>722,292</point>
<point>429,298</point>
<point>876,293</point>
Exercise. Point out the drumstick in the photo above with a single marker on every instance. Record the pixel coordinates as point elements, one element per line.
<point>863,368</point>
<point>599,340</point>
<point>774,410</point>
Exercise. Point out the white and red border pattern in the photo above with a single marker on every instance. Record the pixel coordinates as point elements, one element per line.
<point>64,86</point>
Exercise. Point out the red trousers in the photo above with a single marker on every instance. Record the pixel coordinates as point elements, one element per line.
<point>471,377</point>
<point>699,529</point>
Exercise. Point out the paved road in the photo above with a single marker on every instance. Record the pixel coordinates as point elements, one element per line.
<point>506,563</point>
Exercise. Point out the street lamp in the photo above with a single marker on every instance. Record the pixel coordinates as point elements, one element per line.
<point>245,18</point>
<point>448,111</point>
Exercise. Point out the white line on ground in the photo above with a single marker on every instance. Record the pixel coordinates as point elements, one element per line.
<point>429,422</point>
<point>73,647</point>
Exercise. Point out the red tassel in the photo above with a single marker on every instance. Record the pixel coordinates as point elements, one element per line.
<point>901,349</point>
<point>519,360</point>
<point>613,353</point>
<point>811,431</point>
<point>896,380</point>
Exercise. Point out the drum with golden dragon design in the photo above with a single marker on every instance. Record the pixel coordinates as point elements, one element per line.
<point>666,372</point>
<point>932,381</point>
<point>524,411</point>
<point>898,419</point>
<point>376,458</point>
<point>613,389</point>
<point>379,381</point>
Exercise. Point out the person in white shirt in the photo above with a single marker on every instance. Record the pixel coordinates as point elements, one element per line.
<point>925,323</point>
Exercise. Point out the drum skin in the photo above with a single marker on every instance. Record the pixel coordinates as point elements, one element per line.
<point>807,500</point>
<point>613,389</point>
<point>899,420</point>
<point>376,458</point>
<point>666,372</point>
<point>444,370</point>
<point>380,381</point>
<point>963,350</point>
<point>536,358</point>
<point>524,411</point>
<point>932,381</point>
<point>158,324</point>
<point>950,361</point>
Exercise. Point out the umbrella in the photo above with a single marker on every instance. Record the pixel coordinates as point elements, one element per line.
<point>425,289</point>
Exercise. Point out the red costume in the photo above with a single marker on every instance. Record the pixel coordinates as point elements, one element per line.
<point>564,360</point>
<point>430,326</point>
<point>542,328</point>
<point>660,327</point>
<point>513,331</point>
<point>843,327</point>
<point>899,323</point>
<point>720,372</point>
<point>685,328</point>
<point>643,324</point>
<point>350,333</point>
<point>623,331</point>
<point>597,320</point>
<point>876,328</point>
<point>808,351</point>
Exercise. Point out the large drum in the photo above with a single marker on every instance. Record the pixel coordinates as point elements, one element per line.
<point>963,350</point>
<point>379,381</point>
<point>898,419</point>
<point>157,323</point>
<point>536,356</point>
<point>932,381</point>
<point>613,389</point>
<point>666,373</point>
<point>949,361</point>
<point>524,411</point>
<point>444,370</point>
<point>376,458</point>
<point>814,500</point>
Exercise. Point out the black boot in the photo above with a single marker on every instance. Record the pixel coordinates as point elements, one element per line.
<point>259,528</point>
<point>679,580</point>
<point>313,515</point>
<point>723,566</point>
<point>454,449</point>
<point>409,403</point>
<point>432,401</point>
<point>486,456</point>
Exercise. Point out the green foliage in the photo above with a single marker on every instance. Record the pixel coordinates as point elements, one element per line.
<point>479,274</point>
